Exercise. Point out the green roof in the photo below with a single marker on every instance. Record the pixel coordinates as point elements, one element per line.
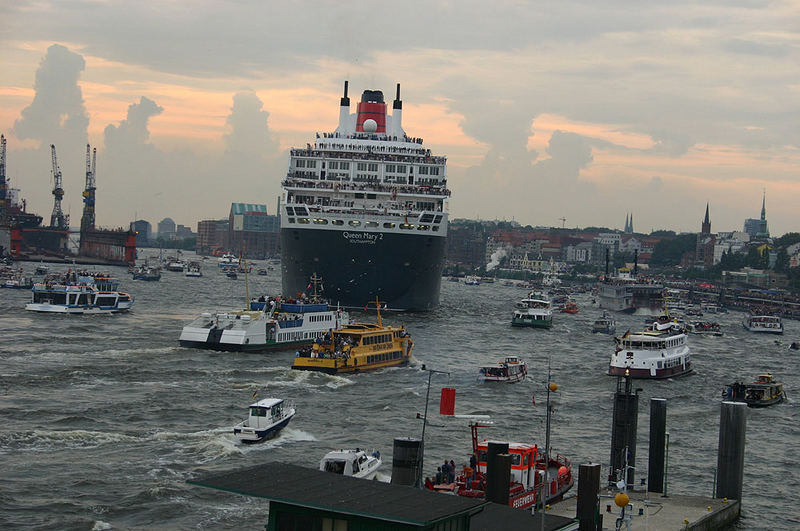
<point>242,208</point>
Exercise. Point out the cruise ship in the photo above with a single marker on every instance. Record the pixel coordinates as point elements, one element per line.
<point>366,207</point>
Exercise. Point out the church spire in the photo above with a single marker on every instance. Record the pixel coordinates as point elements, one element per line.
<point>625,230</point>
<point>706,227</point>
<point>630,229</point>
<point>764,206</point>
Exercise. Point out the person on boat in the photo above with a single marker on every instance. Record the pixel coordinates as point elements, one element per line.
<point>439,475</point>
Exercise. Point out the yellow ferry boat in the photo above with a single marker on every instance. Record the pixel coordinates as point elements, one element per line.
<point>357,347</point>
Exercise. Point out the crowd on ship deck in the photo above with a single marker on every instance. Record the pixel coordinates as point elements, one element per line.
<point>330,346</point>
<point>420,188</point>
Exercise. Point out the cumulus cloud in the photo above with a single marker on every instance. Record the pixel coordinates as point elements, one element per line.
<point>57,112</point>
<point>249,130</point>
<point>132,133</point>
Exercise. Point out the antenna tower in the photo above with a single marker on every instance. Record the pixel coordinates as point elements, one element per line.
<point>87,220</point>
<point>563,222</point>
<point>3,183</point>
<point>57,219</point>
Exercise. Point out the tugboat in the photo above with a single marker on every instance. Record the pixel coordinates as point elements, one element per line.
<point>266,419</point>
<point>765,391</point>
<point>604,324</point>
<point>769,324</point>
<point>357,347</point>
<point>511,370</point>
<point>661,351</point>
<point>533,311</point>
<point>354,463</point>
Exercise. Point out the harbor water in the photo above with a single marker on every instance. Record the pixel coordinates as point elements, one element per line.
<point>104,418</point>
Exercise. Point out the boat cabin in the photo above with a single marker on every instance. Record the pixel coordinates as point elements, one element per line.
<point>265,413</point>
<point>523,462</point>
<point>345,462</point>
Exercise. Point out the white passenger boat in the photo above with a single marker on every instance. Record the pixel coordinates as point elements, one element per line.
<point>533,311</point>
<point>84,295</point>
<point>769,324</point>
<point>266,419</point>
<point>511,370</point>
<point>472,281</point>
<point>355,463</point>
<point>270,323</point>
<point>661,351</point>
<point>228,260</point>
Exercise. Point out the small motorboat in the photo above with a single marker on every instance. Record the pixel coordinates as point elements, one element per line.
<point>262,272</point>
<point>41,269</point>
<point>570,307</point>
<point>511,370</point>
<point>231,274</point>
<point>705,328</point>
<point>194,270</point>
<point>266,419</point>
<point>604,324</point>
<point>355,463</point>
<point>765,391</point>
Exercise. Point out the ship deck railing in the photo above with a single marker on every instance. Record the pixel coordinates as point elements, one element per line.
<point>293,181</point>
<point>374,154</point>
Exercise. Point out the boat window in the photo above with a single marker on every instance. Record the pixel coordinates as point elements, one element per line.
<point>423,227</point>
<point>371,224</point>
<point>515,459</point>
<point>337,222</point>
<point>335,466</point>
<point>388,225</point>
<point>320,221</point>
<point>290,210</point>
<point>435,228</point>
<point>354,223</point>
<point>304,220</point>
<point>258,412</point>
<point>406,226</point>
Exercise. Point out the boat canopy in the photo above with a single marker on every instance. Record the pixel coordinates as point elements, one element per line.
<point>267,402</point>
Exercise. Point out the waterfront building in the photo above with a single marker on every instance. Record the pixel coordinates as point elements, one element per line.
<point>166,229</point>
<point>252,230</point>
<point>212,236</point>
<point>143,230</point>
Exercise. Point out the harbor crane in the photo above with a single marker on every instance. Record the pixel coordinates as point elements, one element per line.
<point>3,183</point>
<point>57,219</point>
<point>563,222</point>
<point>88,218</point>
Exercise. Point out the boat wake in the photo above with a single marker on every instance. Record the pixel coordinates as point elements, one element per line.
<point>42,440</point>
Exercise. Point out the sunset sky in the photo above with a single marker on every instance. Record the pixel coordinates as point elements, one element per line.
<point>580,110</point>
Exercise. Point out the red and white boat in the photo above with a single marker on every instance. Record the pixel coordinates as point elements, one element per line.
<point>528,484</point>
<point>661,351</point>
<point>510,371</point>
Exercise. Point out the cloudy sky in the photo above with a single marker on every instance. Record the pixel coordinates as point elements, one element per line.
<point>546,110</point>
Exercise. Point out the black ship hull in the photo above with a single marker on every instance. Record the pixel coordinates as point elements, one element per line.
<point>402,270</point>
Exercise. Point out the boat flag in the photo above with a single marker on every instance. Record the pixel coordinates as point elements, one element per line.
<point>533,399</point>
<point>626,334</point>
<point>255,394</point>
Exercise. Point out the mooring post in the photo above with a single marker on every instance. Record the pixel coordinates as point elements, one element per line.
<point>658,430</point>
<point>588,506</point>
<point>730,456</point>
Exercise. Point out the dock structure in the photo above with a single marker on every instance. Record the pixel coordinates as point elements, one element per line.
<point>654,511</point>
